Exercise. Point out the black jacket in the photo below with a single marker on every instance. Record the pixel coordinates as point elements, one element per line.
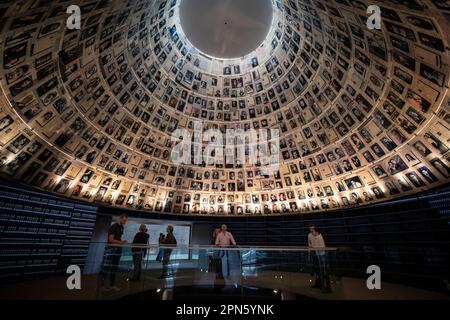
<point>141,238</point>
<point>169,240</point>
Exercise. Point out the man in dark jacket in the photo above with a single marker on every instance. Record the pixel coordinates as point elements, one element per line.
<point>139,251</point>
<point>168,241</point>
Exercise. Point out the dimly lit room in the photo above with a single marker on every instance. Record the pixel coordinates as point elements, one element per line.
<point>224,150</point>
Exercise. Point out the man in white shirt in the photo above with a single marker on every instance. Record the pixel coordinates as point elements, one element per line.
<point>224,238</point>
<point>321,270</point>
<point>315,239</point>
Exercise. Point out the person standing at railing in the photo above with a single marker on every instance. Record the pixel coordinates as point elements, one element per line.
<point>168,241</point>
<point>114,251</point>
<point>160,252</point>
<point>139,252</point>
<point>316,241</point>
<point>225,239</point>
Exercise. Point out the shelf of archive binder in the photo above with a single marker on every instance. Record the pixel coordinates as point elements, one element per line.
<point>38,203</point>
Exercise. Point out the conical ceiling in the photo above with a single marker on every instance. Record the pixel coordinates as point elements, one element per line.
<point>363,115</point>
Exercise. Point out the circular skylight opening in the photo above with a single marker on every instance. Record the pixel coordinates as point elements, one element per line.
<point>226,29</point>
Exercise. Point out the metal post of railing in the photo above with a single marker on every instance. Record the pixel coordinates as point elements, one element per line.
<point>240,273</point>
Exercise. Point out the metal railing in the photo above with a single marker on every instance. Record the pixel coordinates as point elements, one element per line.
<point>172,272</point>
<point>130,269</point>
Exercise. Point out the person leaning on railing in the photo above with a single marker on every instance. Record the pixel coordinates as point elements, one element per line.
<point>114,251</point>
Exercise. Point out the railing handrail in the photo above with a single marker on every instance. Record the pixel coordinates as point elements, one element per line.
<point>211,247</point>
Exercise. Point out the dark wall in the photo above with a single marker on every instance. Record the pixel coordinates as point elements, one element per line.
<point>97,246</point>
<point>41,235</point>
<point>201,234</point>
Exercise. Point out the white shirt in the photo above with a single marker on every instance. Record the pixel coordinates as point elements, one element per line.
<point>316,242</point>
<point>225,239</point>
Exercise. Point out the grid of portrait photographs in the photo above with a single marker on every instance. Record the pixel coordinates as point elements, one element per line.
<point>363,115</point>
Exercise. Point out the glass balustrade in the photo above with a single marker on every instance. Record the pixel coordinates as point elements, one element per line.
<point>167,272</point>
<point>203,273</point>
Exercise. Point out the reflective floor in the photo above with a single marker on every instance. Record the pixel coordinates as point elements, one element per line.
<point>212,273</point>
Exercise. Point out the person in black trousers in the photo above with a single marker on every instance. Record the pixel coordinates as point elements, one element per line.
<point>168,241</point>
<point>139,252</point>
<point>160,252</point>
<point>114,251</point>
